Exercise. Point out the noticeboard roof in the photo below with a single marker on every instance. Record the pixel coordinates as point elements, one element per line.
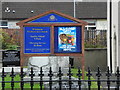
<point>52,16</point>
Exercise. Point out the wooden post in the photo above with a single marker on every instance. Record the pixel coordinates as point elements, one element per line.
<point>52,40</point>
<point>21,46</point>
<point>83,67</point>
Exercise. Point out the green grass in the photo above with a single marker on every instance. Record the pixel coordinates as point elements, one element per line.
<point>17,85</point>
<point>0,83</point>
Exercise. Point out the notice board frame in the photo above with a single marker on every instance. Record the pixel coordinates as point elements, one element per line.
<point>24,23</point>
<point>35,38</point>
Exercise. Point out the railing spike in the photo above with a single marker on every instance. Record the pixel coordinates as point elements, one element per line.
<point>118,78</point>
<point>60,74</point>
<point>12,78</point>
<point>79,74</point>
<point>22,75</point>
<point>3,78</point>
<point>108,74</point>
<point>32,75</point>
<point>41,77</point>
<point>50,78</point>
<point>98,74</point>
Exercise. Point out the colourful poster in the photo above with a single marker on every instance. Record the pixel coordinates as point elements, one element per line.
<point>67,39</point>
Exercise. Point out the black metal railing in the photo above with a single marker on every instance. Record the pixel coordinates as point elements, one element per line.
<point>90,77</point>
<point>95,38</point>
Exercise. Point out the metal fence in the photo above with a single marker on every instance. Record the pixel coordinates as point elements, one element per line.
<point>61,84</point>
<point>95,38</point>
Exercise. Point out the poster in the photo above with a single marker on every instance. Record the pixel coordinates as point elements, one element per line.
<point>36,40</point>
<point>67,39</point>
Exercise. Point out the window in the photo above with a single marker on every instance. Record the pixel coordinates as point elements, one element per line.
<point>91,24</point>
<point>90,27</point>
<point>3,24</point>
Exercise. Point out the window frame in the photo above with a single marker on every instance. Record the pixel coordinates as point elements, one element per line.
<point>3,26</point>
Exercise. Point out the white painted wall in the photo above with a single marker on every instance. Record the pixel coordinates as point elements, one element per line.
<point>108,33</point>
<point>118,33</point>
<point>101,24</point>
<point>115,35</point>
<point>12,24</point>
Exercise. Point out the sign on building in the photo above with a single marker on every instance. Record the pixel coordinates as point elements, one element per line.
<point>36,40</point>
<point>11,58</point>
<point>52,34</point>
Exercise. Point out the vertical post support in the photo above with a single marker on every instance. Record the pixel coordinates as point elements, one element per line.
<point>52,40</point>
<point>21,46</point>
<point>83,66</point>
<point>83,58</point>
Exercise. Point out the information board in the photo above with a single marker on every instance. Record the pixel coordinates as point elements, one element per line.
<point>68,39</point>
<point>36,40</point>
<point>11,58</point>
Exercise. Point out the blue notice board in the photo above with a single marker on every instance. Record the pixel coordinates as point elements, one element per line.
<point>52,18</point>
<point>36,40</point>
<point>68,39</point>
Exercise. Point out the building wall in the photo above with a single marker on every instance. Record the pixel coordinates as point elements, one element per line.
<point>101,24</point>
<point>93,59</point>
<point>12,24</point>
<point>115,36</point>
<point>119,33</point>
